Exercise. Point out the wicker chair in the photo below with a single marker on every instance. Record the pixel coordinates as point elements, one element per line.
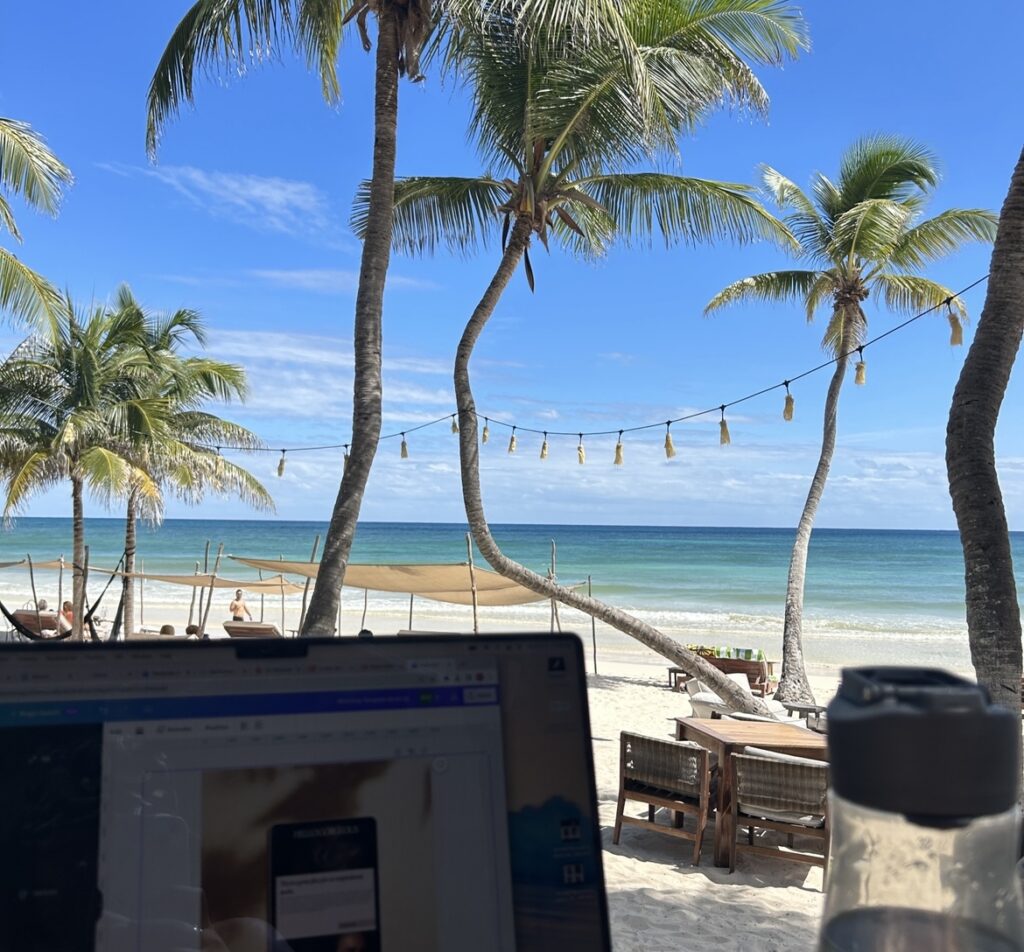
<point>779,792</point>
<point>672,774</point>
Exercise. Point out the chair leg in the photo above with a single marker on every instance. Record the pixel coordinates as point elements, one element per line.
<point>651,810</point>
<point>618,817</point>
<point>678,819</point>
<point>698,838</point>
<point>750,835</point>
<point>789,840</point>
<point>732,852</point>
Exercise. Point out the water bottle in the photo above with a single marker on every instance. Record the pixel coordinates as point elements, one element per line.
<point>925,823</point>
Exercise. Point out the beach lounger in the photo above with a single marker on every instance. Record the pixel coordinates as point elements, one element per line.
<point>774,791</point>
<point>706,703</point>
<point>43,624</point>
<point>251,629</point>
<point>672,774</point>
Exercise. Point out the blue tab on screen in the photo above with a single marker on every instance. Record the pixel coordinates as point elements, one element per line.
<point>234,705</point>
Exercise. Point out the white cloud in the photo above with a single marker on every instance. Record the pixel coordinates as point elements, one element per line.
<point>330,280</point>
<point>266,203</point>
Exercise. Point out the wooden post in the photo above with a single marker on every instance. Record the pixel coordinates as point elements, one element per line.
<point>411,597</point>
<point>366,596</point>
<point>339,615</point>
<point>555,619</point>
<point>60,592</point>
<point>85,596</point>
<point>35,600</point>
<point>305,588</point>
<point>209,597</point>
<point>281,557</point>
<point>202,591</point>
<point>192,603</point>
<point>593,624</point>
<point>262,598</point>
<point>472,581</point>
<point>142,593</point>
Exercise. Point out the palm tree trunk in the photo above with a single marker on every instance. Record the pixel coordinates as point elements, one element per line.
<point>993,612</point>
<point>794,688</point>
<point>129,566</point>
<point>470,462</point>
<point>77,558</point>
<point>366,398</point>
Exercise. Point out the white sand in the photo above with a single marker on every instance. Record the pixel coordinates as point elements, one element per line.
<point>657,899</point>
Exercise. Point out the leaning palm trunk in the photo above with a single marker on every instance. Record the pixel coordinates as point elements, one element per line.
<point>130,521</point>
<point>77,559</point>
<point>469,459</point>
<point>366,400</point>
<point>993,612</point>
<point>794,688</point>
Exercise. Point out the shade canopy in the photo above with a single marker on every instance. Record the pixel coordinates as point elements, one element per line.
<point>52,564</point>
<point>275,585</point>
<point>442,582</point>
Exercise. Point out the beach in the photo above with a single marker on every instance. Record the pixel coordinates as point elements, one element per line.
<point>876,598</point>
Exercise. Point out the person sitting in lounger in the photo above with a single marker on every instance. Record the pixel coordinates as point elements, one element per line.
<point>238,606</point>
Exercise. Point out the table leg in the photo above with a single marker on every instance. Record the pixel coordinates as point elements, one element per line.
<point>723,820</point>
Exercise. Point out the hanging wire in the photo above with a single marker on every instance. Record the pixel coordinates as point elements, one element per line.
<point>485,436</point>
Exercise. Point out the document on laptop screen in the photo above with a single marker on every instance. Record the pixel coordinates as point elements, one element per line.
<point>396,795</point>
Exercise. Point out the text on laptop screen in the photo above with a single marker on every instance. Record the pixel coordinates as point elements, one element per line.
<point>374,796</point>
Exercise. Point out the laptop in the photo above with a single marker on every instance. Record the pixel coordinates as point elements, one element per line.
<point>384,794</point>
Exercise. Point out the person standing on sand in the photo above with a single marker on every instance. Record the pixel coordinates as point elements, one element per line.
<point>238,607</point>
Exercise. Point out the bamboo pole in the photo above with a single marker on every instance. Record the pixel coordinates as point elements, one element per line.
<point>60,592</point>
<point>281,557</point>
<point>411,597</point>
<point>472,581</point>
<point>209,597</point>
<point>142,592</point>
<point>305,588</point>
<point>339,616</point>
<point>35,600</point>
<point>555,619</point>
<point>593,624</point>
<point>366,598</point>
<point>262,598</point>
<point>192,603</point>
<point>85,594</point>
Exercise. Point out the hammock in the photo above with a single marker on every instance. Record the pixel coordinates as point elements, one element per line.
<point>27,632</point>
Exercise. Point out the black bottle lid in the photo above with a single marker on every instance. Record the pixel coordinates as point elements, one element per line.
<point>922,743</point>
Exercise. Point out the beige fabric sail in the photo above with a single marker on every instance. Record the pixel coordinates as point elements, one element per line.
<point>275,585</point>
<point>442,582</point>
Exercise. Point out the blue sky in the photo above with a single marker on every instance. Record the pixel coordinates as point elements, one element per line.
<point>245,218</point>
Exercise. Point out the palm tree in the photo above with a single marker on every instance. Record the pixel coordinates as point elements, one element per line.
<point>993,612</point>
<point>72,398</point>
<point>29,169</point>
<point>175,450</point>
<point>565,133</point>
<point>862,234</point>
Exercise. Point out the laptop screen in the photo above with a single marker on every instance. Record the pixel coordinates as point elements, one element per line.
<point>370,795</point>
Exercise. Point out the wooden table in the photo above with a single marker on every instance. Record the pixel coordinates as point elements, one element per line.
<point>726,737</point>
<point>803,710</point>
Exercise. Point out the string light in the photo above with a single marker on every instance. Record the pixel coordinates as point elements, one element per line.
<point>787,410</point>
<point>344,459</point>
<point>581,453</point>
<point>618,450</point>
<point>670,451</point>
<point>723,429</point>
<point>280,464</point>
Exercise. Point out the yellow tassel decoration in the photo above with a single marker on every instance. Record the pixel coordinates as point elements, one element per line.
<point>512,443</point>
<point>670,448</point>
<point>860,377</point>
<point>405,448</point>
<point>581,453</point>
<point>280,465</point>
<point>455,425</point>
<point>544,448</point>
<point>618,451</point>
<point>956,331</point>
<point>487,431</point>
<point>220,464</point>
<point>787,410</point>
<point>723,431</point>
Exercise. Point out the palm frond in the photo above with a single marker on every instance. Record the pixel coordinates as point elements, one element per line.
<point>27,295</point>
<point>29,473</point>
<point>941,235</point>
<point>104,472</point>
<point>459,213</point>
<point>867,229</point>
<point>845,331</point>
<point>911,294</point>
<point>29,169</point>
<point>885,167</point>
<point>684,209</point>
<point>771,286</point>
<point>217,36</point>
<point>823,288</point>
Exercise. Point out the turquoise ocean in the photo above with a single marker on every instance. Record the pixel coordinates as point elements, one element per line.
<point>871,595</point>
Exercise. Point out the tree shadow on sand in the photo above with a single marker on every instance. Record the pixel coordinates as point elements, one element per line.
<point>611,682</point>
